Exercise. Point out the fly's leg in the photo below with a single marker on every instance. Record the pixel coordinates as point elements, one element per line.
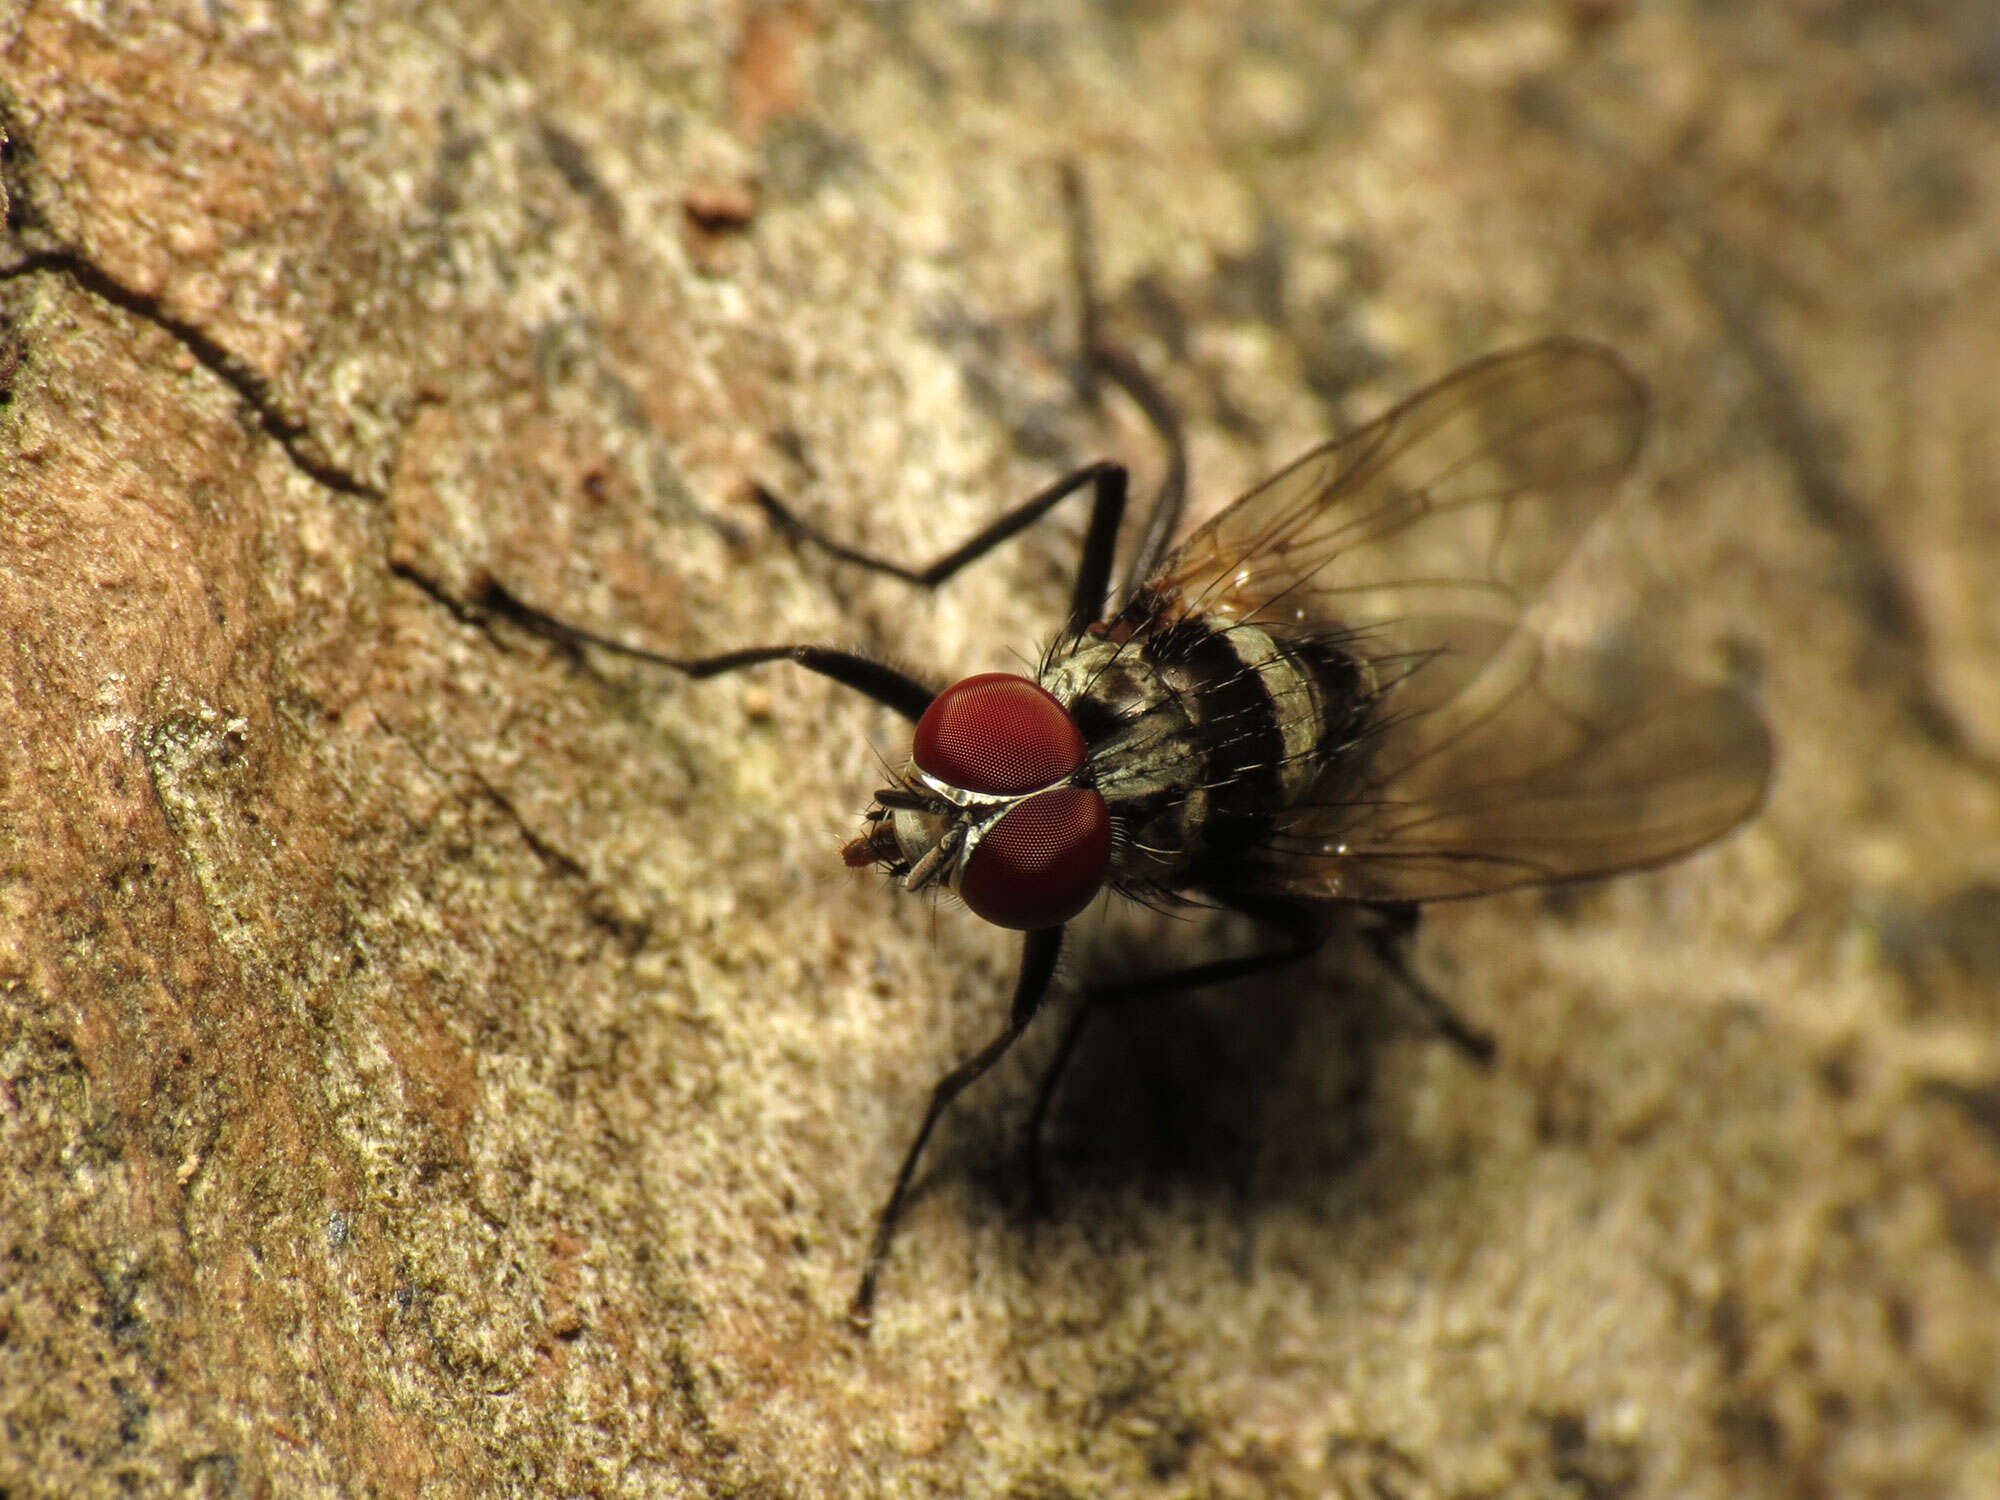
<point>1105,479</point>
<point>1038,967</point>
<point>1304,932</point>
<point>871,678</point>
<point>1389,939</point>
<point>1101,357</point>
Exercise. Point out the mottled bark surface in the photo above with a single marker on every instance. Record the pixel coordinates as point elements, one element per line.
<point>431,1065</point>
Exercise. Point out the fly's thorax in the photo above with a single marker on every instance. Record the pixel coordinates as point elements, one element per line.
<point>1143,756</point>
<point>1133,723</point>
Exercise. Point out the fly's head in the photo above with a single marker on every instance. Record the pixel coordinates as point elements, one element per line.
<point>991,808</point>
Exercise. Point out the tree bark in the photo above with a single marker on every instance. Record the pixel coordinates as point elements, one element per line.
<point>432,1063</point>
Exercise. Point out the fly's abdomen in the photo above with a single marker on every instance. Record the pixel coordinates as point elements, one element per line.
<point>1266,712</point>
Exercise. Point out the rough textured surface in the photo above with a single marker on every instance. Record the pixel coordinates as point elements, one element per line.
<point>430,1066</point>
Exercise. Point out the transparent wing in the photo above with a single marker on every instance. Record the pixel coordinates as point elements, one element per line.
<point>1459,503</point>
<point>1552,764</point>
<point>1494,757</point>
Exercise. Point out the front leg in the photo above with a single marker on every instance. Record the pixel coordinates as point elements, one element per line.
<point>1038,967</point>
<point>871,678</point>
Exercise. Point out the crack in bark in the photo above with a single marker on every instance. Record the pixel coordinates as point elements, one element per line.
<point>551,856</point>
<point>290,433</point>
<point>459,610</point>
<point>631,936</point>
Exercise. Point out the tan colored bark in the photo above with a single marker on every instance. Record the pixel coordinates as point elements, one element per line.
<point>433,1066</point>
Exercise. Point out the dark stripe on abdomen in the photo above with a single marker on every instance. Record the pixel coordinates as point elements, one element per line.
<point>1345,694</point>
<point>1235,724</point>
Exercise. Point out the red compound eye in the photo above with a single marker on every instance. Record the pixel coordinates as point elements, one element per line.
<point>1042,862</point>
<point>997,734</point>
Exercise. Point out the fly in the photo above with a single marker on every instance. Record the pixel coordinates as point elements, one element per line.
<point>1336,693</point>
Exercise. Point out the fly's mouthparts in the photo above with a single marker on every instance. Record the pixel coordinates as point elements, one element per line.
<point>859,853</point>
<point>937,859</point>
<point>875,845</point>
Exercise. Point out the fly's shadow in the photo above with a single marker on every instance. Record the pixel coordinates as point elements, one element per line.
<point>1253,1091</point>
